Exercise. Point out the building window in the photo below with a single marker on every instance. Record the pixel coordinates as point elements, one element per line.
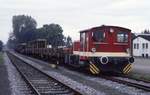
<point>134,45</point>
<point>137,46</point>
<point>146,55</point>
<point>143,45</point>
<point>146,45</point>
<point>142,55</point>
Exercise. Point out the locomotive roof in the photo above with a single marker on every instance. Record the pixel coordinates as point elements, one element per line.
<point>105,26</point>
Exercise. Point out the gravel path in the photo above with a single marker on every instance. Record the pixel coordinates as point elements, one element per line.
<point>88,83</point>
<point>17,84</point>
<point>4,82</point>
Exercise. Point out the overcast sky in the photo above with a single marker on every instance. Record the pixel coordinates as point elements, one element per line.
<point>76,15</point>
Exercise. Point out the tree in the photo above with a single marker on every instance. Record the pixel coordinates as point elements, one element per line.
<point>69,41</point>
<point>24,28</point>
<point>11,43</point>
<point>146,31</point>
<point>1,45</point>
<point>53,34</point>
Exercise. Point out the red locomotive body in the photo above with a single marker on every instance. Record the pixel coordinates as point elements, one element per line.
<point>104,49</point>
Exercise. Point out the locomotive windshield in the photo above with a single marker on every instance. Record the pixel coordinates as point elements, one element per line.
<point>99,36</point>
<point>122,37</point>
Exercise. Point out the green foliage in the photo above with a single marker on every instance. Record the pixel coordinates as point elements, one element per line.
<point>68,41</point>
<point>11,43</point>
<point>1,57</point>
<point>24,28</point>
<point>1,45</point>
<point>53,34</point>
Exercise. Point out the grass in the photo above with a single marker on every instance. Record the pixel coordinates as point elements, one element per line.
<point>1,57</point>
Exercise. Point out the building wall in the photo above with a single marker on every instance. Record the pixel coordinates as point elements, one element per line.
<point>140,51</point>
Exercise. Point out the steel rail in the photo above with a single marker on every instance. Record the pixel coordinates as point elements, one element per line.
<point>137,79</point>
<point>140,86</point>
<point>136,85</point>
<point>24,77</point>
<point>76,92</point>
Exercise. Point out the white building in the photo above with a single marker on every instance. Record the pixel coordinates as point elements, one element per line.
<point>141,45</point>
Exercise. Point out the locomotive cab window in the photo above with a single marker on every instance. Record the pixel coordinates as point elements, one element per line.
<point>98,36</point>
<point>82,40</point>
<point>122,37</point>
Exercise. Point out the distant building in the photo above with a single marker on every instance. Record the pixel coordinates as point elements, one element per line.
<point>141,45</point>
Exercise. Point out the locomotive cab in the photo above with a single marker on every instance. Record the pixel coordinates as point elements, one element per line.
<point>106,49</point>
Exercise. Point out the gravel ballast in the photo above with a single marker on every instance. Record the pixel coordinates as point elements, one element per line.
<point>4,82</point>
<point>17,84</point>
<point>87,83</point>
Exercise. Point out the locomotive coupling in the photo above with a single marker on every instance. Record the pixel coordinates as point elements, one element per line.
<point>131,59</point>
<point>104,59</point>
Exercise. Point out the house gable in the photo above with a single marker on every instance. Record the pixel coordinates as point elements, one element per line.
<point>140,48</point>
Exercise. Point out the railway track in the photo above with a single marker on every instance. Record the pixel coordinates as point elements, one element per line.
<point>130,82</point>
<point>137,79</point>
<point>39,82</point>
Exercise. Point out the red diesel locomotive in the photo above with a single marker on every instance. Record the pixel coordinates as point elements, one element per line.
<point>100,49</point>
<point>103,49</point>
